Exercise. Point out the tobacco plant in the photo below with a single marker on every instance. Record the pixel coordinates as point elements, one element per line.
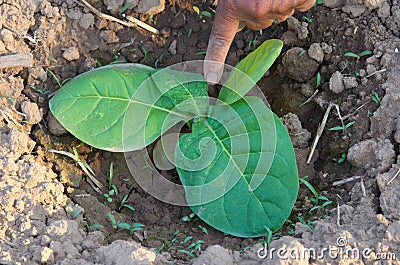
<point>237,165</point>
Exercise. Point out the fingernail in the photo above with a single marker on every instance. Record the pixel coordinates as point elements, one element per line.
<point>212,78</point>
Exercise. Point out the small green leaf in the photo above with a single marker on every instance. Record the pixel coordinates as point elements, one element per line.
<point>348,125</point>
<point>205,13</point>
<point>96,226</point>
<point>196,9</point>
<point>250,70</point>
<point>188,238</point>
<point>309,186</point>
<point>112,219</point>
<point>128,206</point>
<point>326,204</point>
<point>350,54</point>
<point>318,80</point>
<point>186,252</point>
<point>124,226</point>
<point>337,128</point>
<point>364,53</point>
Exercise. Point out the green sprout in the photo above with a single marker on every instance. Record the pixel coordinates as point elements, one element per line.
<point>342,158</point>
<point>342,128</point>
<point>358,56</point>
<point>309,20</point>
<point>375,98</point>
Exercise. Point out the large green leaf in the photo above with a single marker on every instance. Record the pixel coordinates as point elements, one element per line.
<point>238,169</point>
<point>250,70</point>
<point>126,107</point>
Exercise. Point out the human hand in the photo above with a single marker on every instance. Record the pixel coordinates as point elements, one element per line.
<point>256,14</point>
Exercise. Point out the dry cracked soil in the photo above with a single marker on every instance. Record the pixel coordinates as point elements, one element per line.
<point>50,214</point>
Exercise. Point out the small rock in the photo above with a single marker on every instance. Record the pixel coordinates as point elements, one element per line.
<point>297,65</point>
<point>32,112</point>
<point>54,126</point>
<point>298,27</point>
<point>214,255</point>
<point>114,5</point>
<point>350,82</point>
<point>70,54</point>
<point>299,136</point>
<point>124,252</point>
<point>307,90</point>
<point>44,255</point>
<point>371,69</point>
<point>326,48</point>
<point>354,10</point>
<point>289,38</point>
<point>74,13</point>
<point>2,46</point>
<point>397,134</point>
<point>336,83</point>
<point>172,47</point>
<point>375,156</point>
<point>57,248</point>
<point>334,3</point>
<point>86,21</point>
<point>151,7</point>
<point>315,52</point>
<point>6,35</point>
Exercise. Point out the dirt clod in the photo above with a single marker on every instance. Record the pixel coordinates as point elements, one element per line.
<point>298,65</point>
<point>32,112</point>
<point>315,52</point>
<point>55,127</point>
<point>336,84</point>
<point>71,54</point>
<point>214,255</point>
<point>298,135</point>
<point>375,156</point>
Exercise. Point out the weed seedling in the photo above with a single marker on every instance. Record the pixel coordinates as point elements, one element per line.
<point>302,53</point>
<point>201,14</point>
<point>112,189</point>
<point>188,218</point>
<point>358,56</point>
<point>342,128</point>
<point>318,82</point>
<point>342,158</point>
<point>205,231</point>
<point>93,226</point>
<point>123,201</point>
<point>375,98</point>
<point>309,20</point>
<point>144,54</point>
<point>319,201</point>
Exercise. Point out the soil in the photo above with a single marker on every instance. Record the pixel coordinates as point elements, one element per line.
<point>49,211</point>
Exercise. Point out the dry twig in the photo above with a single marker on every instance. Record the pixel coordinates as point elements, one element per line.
<point>82,165</point>
<point>320,130</point>
<point>395,176</point>
<point>16,60</point>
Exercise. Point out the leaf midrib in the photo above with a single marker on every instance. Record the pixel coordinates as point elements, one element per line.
<point>183,116</point>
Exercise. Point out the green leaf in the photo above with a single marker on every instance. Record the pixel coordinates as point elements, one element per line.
<point>364,53</point>
<point>96,226</point>
<point>250,70</point>
<point>238,169</point>
<point>196,9</point>
<point>95,105</point>
<point>112,219</point>
<point>350,54</point>
<point>124,226</point>
<point>309,186</point>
